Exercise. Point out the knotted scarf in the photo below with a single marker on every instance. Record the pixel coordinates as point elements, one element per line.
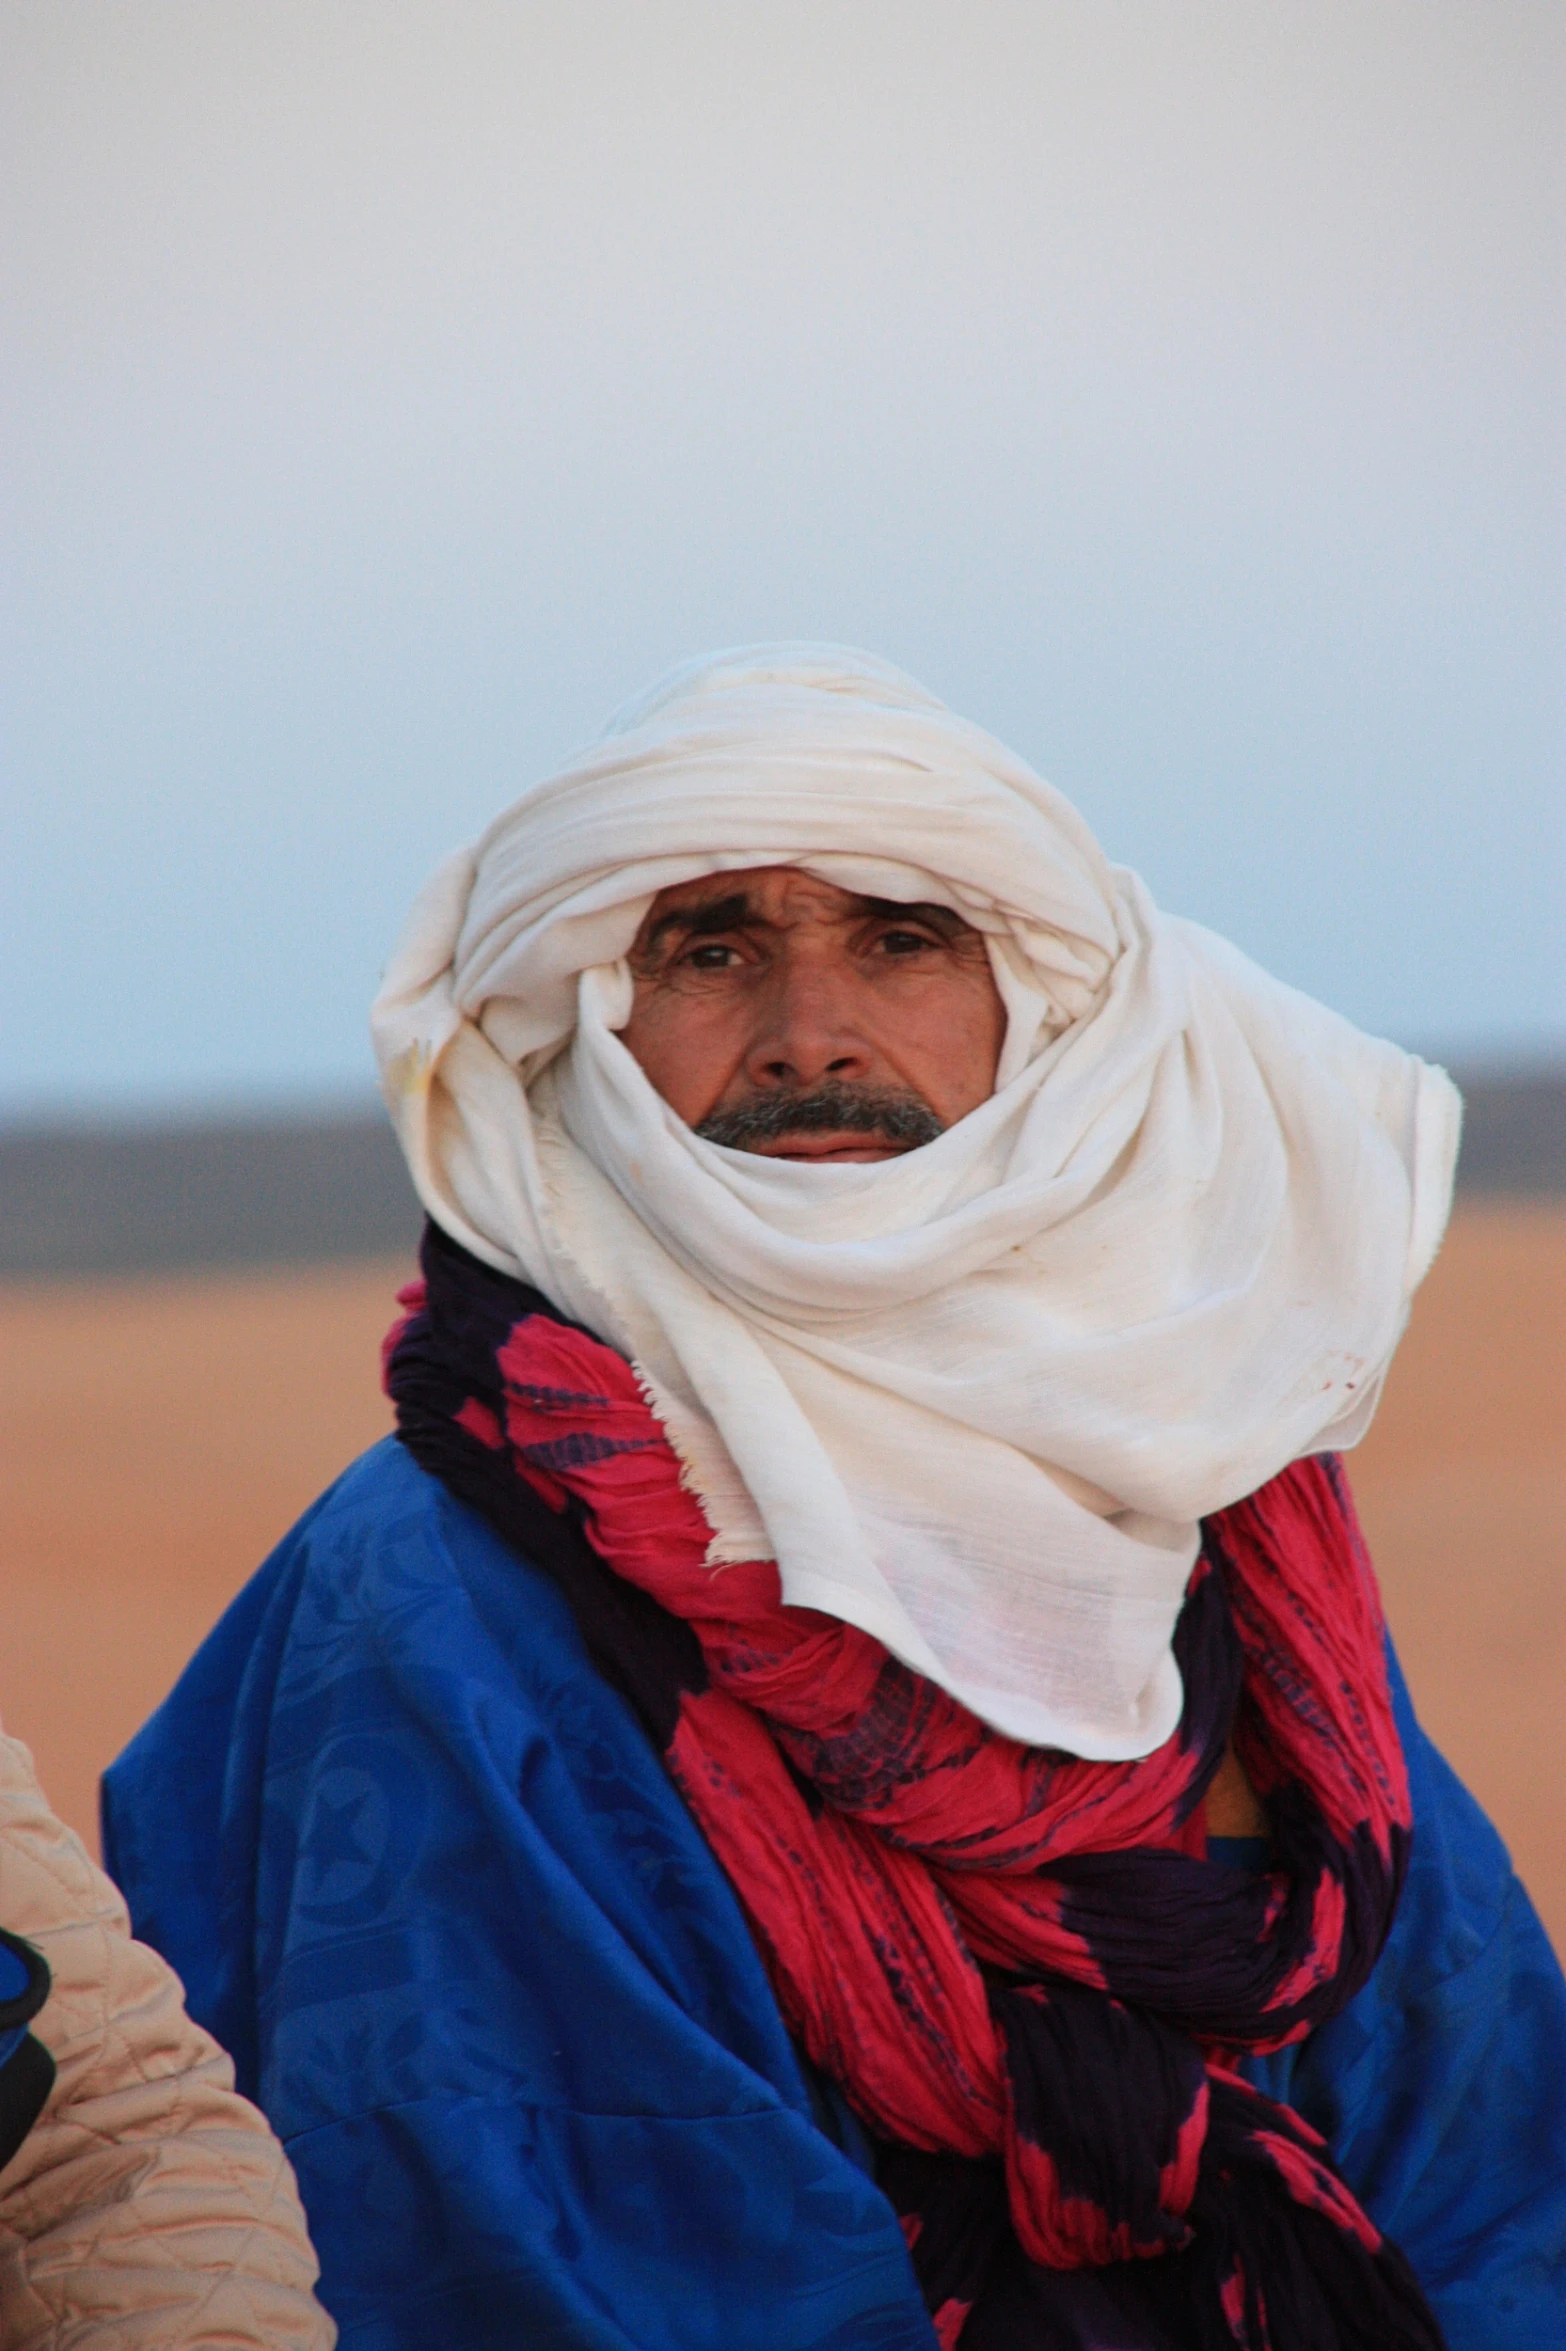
<point>1018,1964</point>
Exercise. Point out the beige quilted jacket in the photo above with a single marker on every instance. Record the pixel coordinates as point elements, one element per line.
<point>150,2205</point>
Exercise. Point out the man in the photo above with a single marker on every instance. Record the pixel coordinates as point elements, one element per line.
<point>143,2206</point>
<point>842,1784</point>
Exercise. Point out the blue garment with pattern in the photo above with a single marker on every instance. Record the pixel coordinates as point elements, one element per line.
<point>422,1873</point>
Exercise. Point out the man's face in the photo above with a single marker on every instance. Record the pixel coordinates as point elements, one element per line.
<point>778,1014</point>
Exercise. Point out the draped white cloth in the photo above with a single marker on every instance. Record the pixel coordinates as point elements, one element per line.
<point>975,1398</point>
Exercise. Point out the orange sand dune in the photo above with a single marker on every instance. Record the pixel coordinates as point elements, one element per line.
<point>159,1436</point>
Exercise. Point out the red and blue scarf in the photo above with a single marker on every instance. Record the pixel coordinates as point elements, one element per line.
<point>1026,1975</point>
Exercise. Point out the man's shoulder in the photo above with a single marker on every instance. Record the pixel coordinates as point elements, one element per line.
<point>387,1587</point>
<point>383,1493</point>
<point>387,1557</point>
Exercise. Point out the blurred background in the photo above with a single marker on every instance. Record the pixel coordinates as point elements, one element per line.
<point>393,391</point>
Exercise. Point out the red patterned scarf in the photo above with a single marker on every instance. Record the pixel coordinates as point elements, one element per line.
<point>1021,1967</point>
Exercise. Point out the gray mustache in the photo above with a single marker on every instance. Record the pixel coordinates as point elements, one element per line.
<point>859,1110</point>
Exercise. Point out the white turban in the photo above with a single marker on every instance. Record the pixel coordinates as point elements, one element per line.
<point>973,1399</point>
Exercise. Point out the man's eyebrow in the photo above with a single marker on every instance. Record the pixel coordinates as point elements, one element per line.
<point>699,922</point>
<point>944,919</point>
<point>734,911</point>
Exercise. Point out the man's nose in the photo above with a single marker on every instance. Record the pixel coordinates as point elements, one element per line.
<point>806,1032</point>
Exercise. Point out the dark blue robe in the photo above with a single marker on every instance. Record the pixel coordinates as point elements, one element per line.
<point>422,1873</point>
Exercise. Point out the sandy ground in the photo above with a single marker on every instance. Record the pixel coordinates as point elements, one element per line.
<point>157,1437</point>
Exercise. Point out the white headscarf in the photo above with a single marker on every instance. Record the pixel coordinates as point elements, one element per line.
<point>973,1399</point>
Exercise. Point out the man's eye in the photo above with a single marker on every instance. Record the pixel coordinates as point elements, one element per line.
<point>903,942</point>
<point>710,955</point>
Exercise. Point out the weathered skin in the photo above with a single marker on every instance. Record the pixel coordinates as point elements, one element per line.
<point>790,982</point>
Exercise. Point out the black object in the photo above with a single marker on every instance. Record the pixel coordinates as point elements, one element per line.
<point>26,2067</point>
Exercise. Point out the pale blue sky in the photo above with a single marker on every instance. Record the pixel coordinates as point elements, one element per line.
<point>393,387</point>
